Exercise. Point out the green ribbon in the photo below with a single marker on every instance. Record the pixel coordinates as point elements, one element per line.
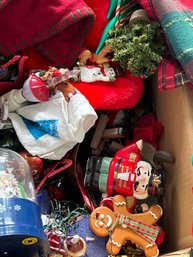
<point>147,231</point>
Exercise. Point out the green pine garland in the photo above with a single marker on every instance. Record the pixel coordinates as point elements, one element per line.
<point>137,48</point>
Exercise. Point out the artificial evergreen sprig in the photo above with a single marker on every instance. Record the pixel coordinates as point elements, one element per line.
<point>138,48</point>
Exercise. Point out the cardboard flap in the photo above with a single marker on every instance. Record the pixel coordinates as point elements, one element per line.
<point>174,109</point>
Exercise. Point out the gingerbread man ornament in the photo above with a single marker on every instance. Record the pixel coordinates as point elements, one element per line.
<point>122,226</point>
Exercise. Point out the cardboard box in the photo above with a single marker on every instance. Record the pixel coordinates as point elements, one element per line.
<point>180,253</point>
<point>174,109</point>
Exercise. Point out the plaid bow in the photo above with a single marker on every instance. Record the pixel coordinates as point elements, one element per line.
<point>148,232</point>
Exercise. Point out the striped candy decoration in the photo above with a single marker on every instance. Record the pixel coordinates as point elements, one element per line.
<point>123,12</point>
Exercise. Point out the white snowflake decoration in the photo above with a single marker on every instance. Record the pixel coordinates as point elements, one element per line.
<point>2,208</point>
<point>8,220</point>
<point>17,207</point>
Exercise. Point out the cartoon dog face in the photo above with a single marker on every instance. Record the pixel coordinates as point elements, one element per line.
<point>143,173</point>
<point>92,74</point>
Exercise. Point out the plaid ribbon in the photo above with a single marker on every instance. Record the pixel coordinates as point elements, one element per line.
<point>171,75</point>
<point>148,232</point>
<point>177,22</point>
<point>175,70</point>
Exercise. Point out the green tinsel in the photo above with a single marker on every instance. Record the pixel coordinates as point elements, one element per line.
<point>63,216</point>
<point>137,48</point>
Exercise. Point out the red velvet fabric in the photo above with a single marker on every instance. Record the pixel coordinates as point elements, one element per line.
<point>149,129</point>
<point>100,9</point>
<point>57,28</point>
<point>124,92</point>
